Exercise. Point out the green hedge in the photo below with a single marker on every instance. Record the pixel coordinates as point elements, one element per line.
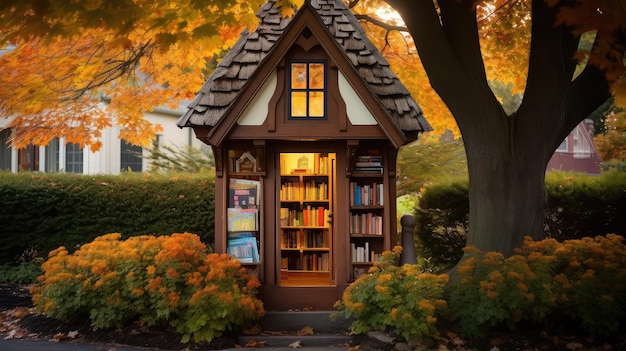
<point>578,206</point>
<point>42,211</point>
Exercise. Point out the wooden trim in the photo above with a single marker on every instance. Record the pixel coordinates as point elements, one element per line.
<point>305,18</point>
<point>351,146</point>
<point>218,154</point>
<point>259,145</point>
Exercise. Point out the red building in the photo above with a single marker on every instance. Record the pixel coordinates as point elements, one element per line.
<point>577,152</point>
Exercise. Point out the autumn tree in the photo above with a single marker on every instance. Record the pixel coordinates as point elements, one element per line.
<point>61,60</point>
<point>142,53</point>
<point>611,144</point>
<point>507,154</point>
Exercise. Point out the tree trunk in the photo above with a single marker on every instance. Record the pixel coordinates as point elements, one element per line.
<point>506,155</point>
<point>507,198</point>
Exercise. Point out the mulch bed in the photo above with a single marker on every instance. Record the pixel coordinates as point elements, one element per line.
<point>18,320</point>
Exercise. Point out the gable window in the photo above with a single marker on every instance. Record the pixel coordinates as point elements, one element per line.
<point>307,89</point>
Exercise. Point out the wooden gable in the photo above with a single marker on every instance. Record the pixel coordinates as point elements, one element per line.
<point>245,97</point>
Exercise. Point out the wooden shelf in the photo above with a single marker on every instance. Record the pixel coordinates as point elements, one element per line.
<point>367,199</point>
<point>305,206</point>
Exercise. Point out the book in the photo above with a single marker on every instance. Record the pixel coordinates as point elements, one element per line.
<point>243,193</point>
<point>244,248</point>
<point>242,220</point>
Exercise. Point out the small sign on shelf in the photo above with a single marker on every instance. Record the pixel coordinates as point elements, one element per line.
<point>245,163</point>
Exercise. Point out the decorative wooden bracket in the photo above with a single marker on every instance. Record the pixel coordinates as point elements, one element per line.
<point>352,146</point>
<point>392,159</point>
<point>259,146</point>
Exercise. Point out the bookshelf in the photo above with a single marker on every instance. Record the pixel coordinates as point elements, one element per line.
<point>367,204</point>
<point>305,207</point>
<point>243,212</point>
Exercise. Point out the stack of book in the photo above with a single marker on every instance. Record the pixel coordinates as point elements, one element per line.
<point>369,164</point>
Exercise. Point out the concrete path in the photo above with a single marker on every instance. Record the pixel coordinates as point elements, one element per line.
<point>44,345</point>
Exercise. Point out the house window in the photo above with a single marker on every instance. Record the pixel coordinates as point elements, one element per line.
<point>307,90</point>
<point>73,158</point>
<point>130,157</point>
<point>563,146</point>
<point>158,141</point>
<point>582,147</point>
<point>52,155</point>
<point>5,150</point>
<point>28,158</point>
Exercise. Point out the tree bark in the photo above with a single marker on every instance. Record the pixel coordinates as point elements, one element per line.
<point>507,155</point>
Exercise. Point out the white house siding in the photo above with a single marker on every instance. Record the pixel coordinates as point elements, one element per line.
<point>108,159</point>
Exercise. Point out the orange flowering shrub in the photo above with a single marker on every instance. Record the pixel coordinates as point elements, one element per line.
<point>158,280</point>
<point>589,278</point>
<point>403,298</point>
<point>583,279</point>
<point>492,290</point>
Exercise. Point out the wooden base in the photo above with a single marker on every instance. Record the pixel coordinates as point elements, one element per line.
<point>299,298</point>
<point>304,278</point>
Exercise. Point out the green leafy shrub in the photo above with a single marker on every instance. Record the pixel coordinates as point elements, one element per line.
<point>572,212</point>
<point>391,297</point>
<point>442,221</point>
<point>584,279</point>
<point>24,269</point>
<point>167,158</point>
<point>158,280</point>
<point>47,210</point>
<point>21,273</point>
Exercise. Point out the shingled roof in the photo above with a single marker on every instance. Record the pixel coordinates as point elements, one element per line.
<point>222,88</point>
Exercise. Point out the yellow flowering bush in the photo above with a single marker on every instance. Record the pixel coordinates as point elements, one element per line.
<point>583,279</point>
<point>589,278</point>
<point>157,280</point>
<point>492,290</point>
<point>402,298</point>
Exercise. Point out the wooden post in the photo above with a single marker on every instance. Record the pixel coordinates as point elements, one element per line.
<point>408,223</point>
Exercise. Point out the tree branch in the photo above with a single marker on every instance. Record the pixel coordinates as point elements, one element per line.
<point>116,69</point>
<point>550,72</point>
<point>460,26</point>
<point>388,27</point>
<point>586,93</point>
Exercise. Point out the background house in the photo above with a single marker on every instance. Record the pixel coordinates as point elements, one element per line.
<point>116,155</point>
<point>577,152</point>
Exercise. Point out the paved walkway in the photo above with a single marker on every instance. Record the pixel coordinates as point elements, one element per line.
<point>44,345</point>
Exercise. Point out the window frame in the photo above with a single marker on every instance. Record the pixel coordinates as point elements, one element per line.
<point>307,90</point>
<point>74,158</point>
<point>130,155</point>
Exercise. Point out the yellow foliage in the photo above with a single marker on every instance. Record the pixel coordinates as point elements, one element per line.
<point>142,54</point>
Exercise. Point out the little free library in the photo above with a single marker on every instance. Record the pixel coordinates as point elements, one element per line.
<point>305,120</point>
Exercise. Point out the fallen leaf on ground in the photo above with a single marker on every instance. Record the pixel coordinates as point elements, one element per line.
<point>295,344</point>
<point>306,331</point>
<point>254,343</point>
<point>256,330</point>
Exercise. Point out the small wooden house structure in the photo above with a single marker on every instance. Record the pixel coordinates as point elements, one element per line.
<point>305,119</point>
